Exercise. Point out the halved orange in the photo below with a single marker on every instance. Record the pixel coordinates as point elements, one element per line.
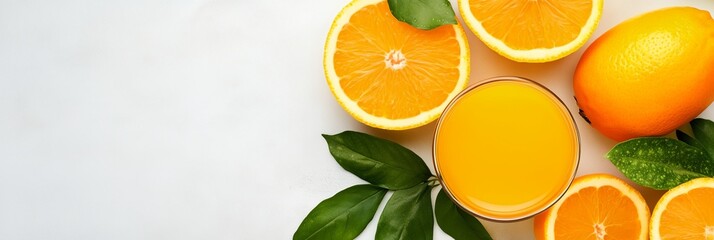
<point>388,74</point>
<point>597,207</point>
<point>532,31</point>
<point>685,212</point>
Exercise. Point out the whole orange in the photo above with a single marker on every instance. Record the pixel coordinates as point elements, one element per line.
<point>648,75</point>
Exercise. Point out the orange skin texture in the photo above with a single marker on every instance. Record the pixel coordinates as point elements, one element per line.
<point>648,75</point>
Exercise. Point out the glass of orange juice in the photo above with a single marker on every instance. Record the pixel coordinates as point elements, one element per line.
<point>506,149</point>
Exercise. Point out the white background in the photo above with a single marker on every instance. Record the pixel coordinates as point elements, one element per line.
<point>198,119</point>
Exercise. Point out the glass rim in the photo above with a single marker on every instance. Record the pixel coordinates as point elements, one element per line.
<point>560,104</point>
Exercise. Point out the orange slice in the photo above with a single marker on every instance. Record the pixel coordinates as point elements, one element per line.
<point>532,31</point>
<point>388,74</point>
<point>596,207</point>
<point>685,212</point>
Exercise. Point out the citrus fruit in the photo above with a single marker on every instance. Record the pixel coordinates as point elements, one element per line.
<point>685,212</point>
<point>388,74</point>
<point>532,31</point>
<point>648,75</point>
<point>596,207</point>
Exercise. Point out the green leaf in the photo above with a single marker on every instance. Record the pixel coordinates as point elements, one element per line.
<point>704,132</point>
<point>660,163</point>
<point>423,14</point>
<point>343,216</point>
<point>684,137</point>
<point>377,161</point>
<point>455,221</point>
<point>407,215</point>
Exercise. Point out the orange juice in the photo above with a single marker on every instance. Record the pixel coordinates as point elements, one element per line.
<point>506,149</point>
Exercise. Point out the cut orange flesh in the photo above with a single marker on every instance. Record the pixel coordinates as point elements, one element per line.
<point>532,31</point>
<point>685,212</point>
<point>388,74</point>
<point>596,207</point>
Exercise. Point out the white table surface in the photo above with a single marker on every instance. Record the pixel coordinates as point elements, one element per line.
<point>198,119</point>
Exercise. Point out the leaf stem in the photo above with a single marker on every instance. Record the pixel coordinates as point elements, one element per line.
<point>433,181</point>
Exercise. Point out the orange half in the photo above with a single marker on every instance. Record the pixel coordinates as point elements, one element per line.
<point>685,212</point>
<point>535,30</point>
<point>388,74</point>
<point>595,207</point>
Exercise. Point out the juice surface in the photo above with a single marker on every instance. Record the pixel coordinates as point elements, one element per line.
<point>506,149</point>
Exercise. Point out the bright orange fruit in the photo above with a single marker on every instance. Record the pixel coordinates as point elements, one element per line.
<point>648,75</point>
<point>685,212</point>
<point>388,74</point>
<point>595,207</point>
<point>532,31</point>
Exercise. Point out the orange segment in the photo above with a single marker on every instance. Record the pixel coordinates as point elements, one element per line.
<point>388,74</point>
<point>532,31</point>
<point>595,207</point>
<point>685,212</point>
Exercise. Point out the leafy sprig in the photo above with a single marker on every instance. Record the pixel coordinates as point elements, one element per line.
<point>408,213</point>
